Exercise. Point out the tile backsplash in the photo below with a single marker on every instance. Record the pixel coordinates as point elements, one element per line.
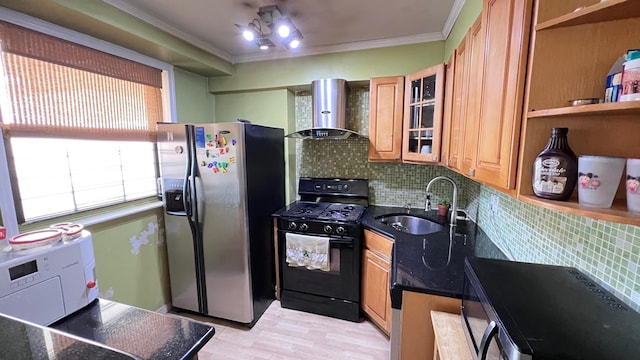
<point>393,184</point>
<point>607,252</point>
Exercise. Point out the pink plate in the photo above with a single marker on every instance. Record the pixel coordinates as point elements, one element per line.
<point>33,239</point>
<point>71,231</point>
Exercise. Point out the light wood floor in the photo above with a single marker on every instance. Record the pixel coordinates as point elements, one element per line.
<point>284,334</point>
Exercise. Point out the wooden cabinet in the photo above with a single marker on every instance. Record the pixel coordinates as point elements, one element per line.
<point>475,57</point>
<point>571,55</point>
<point>506,25</point>
<point>488,93</point>
<point>463,88</point>
<point>458,107</point>
<point>385,118</point>
<point>447,111</point>
<point>422,127</point>
<point>417,336</point>
<point>376,279</point>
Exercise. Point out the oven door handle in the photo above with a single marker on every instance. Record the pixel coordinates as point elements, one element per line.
<point>489,333</point>
<point>348,243</point>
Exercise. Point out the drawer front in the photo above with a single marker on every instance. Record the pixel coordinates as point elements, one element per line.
<point>377,243</point>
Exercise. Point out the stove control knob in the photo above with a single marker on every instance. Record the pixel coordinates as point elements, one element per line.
<point>304,227</point>
<point>341,231</point>
<point>292,226</point>
<point>328,229</point>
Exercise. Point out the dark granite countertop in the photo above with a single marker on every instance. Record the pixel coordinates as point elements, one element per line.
<point>432,263</point>
<point>105,330</point>
<point>141,333</point>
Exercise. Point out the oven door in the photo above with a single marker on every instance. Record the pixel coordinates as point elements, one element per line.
<point>342,281</point>
<point>486,337</point>
<point>479,328</point>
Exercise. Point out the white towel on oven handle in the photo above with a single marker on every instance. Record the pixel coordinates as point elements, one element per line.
<point>311,252</point>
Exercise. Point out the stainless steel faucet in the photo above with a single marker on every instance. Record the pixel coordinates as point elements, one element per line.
<point>454,201</point>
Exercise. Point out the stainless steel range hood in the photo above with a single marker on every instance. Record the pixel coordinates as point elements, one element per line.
<point>329,111</point>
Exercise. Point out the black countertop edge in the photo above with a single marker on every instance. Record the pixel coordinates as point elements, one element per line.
<point>433,263</point>
<point>23,339</point>
<point>137,332</point>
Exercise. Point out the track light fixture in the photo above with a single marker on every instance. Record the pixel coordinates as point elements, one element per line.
<point>276,25</point>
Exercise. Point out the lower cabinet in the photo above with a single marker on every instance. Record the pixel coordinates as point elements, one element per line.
<point>376,276</point>
<point>416,334</point>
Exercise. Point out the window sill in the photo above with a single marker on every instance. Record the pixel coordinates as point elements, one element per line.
<point>97,217</point>
<point>120,213</point>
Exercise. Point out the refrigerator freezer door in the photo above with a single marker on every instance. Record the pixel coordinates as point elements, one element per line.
<point>220,156</point>
<point>172,153</point>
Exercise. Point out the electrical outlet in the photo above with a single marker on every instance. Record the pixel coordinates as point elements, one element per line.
<point>494,203</point>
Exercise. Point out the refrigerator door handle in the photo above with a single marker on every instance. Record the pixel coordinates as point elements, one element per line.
<point>186,191</point>
<point>194,219</point>
<point>193,201</point>
<point>193,174</point>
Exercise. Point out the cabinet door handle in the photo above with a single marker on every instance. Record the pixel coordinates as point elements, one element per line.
<point>472,172</point>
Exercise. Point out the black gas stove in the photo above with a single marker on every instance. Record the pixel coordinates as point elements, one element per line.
<point>329,210</point>
<point>328,207</point>
<point>323,218</point>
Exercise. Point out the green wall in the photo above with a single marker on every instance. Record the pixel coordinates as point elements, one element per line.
<point>194,104</point>
<point>270,108</point>
<point>468,15</point>
<point>131,260</point>
<point>351,65</point>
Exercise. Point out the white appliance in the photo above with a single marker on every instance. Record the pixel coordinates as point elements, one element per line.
<point>47,284</point>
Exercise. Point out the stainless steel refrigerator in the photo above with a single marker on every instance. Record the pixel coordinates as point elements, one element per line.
<point>220,184</point>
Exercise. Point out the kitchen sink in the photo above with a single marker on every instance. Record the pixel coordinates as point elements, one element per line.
<point>411,224</point>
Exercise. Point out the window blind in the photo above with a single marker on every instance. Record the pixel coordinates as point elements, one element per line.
<point>80,124</point>
<point>61,89</point>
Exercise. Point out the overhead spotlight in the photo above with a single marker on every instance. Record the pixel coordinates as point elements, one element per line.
<point>276,22</point>
<point>252,31</point>
<point>294,40</point>
<point>265,44</point>
<point>248,34</point>
<point>284,27</point>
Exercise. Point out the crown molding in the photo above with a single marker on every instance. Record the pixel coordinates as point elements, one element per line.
<point>353,46</point>
<point>456,8</point>
<point>140,14</point>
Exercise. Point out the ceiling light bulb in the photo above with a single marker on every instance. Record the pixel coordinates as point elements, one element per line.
<point>284,31</point>
<point>249,35</point>
<point>294,43</point>
<point>264,47</point>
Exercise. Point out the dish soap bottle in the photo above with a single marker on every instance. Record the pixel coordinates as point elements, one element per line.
<point>555,170</point>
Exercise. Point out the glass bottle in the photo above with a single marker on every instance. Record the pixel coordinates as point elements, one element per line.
<point>555,170</point>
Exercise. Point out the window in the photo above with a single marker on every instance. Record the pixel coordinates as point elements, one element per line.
<point>79,124</point>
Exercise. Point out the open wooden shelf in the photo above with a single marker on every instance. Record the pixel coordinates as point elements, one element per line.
<point>616,108</point>
<point>607,10</point>
<point>450,341</point>
<point>616,213</point>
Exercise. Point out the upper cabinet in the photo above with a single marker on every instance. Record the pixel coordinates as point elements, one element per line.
<point>385,118</point>
<point>456,86</point>
<point>422,127</point>
<point>506,27</point>
<point>574,45</point>
<point>447,111</point>
<point>471,123</point>
<point>405,117</point>
<point>488,92</point>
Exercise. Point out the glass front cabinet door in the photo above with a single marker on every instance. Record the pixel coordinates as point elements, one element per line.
<point>422,127</point>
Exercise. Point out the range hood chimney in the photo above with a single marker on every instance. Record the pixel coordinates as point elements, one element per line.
<point>329,111</point>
